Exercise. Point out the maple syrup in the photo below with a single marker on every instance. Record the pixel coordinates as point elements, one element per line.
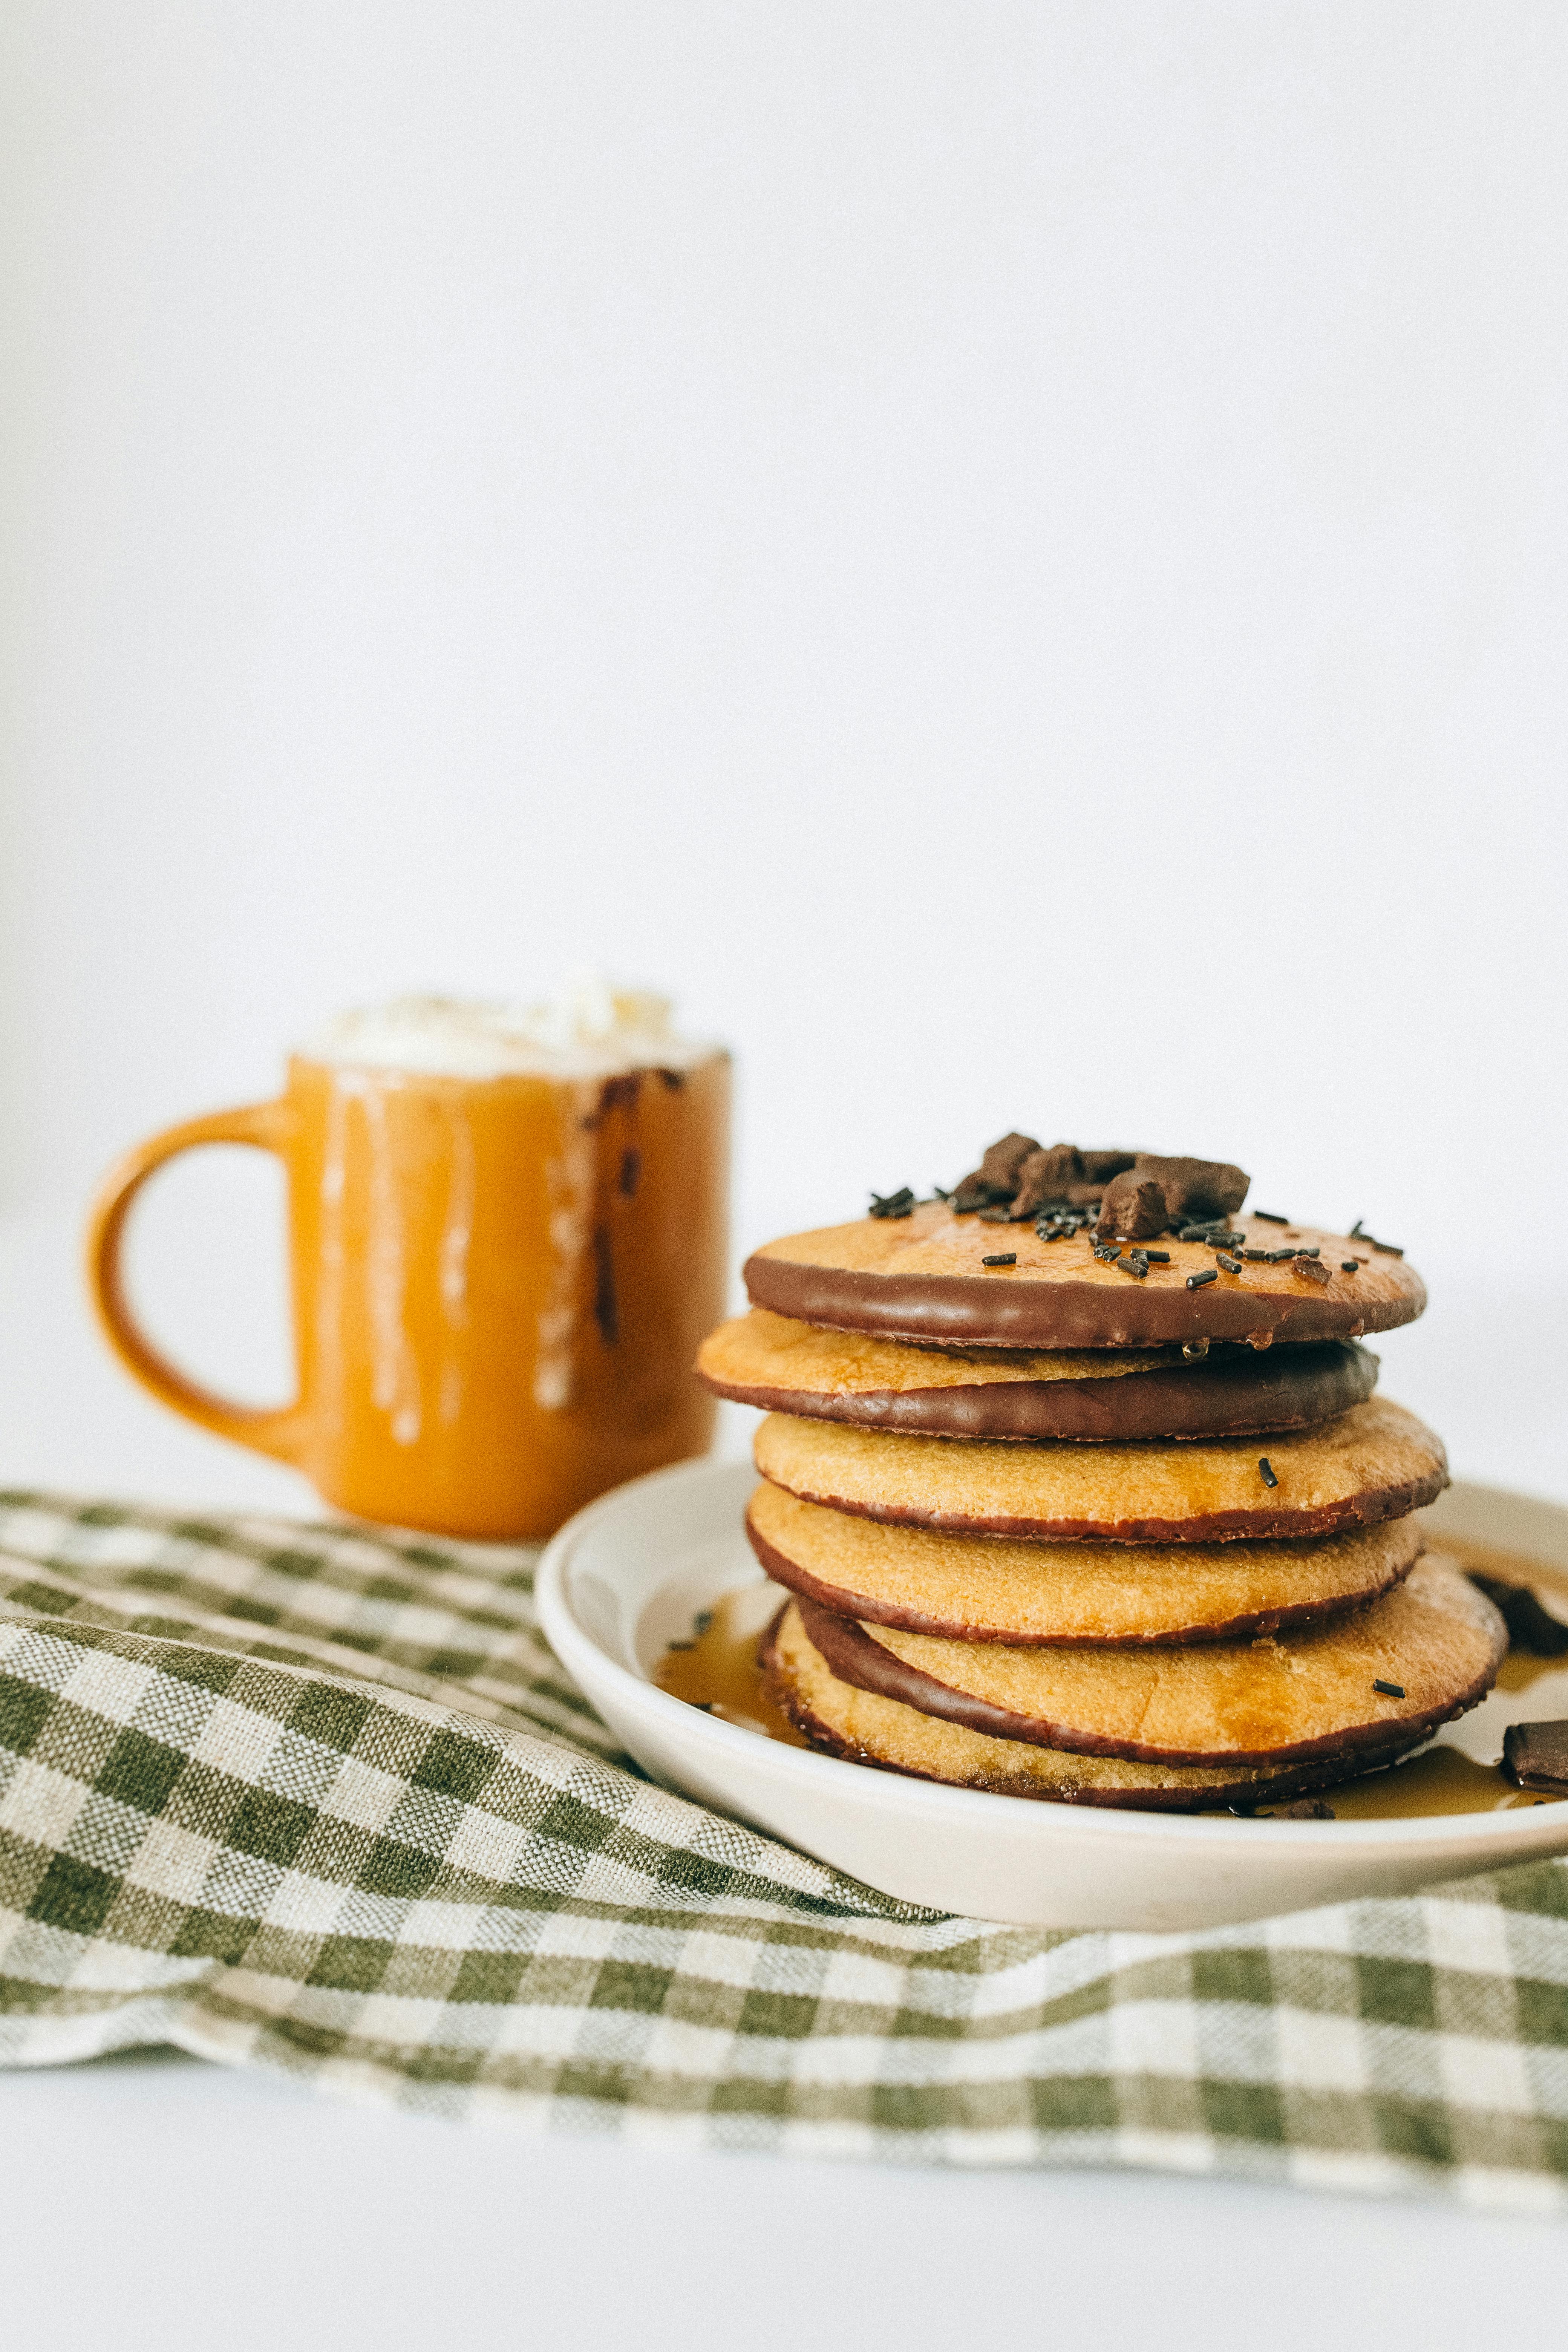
<point>717,1669</point>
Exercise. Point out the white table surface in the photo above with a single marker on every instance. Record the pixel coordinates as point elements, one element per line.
<point>153,2200</point>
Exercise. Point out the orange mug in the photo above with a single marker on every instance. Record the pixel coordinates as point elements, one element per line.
<point>500,1282</point>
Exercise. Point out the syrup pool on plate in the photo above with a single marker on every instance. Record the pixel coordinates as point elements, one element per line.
<point>716,1668</point>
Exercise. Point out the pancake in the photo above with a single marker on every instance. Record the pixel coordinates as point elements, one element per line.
<point>863,1727</point>
<point>1086,1394</point>
<point>920,1278</point>
<point>1434,1643</point>
<point>988,1589</point>
<point>1375,1462</point>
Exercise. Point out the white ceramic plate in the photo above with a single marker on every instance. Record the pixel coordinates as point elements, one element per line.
<point>626,1575</point>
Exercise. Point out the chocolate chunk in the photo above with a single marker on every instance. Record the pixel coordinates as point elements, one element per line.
<point>1100,1166</point>
<point>1135,1206</point>
<point>996,1179</point>
<point>1311,1269</point>
<point>1000,1167</point>
<point>1195,1188</point>
<point>1529,1626</point>
<point>1045,1176</point>
<point>1084,1196</point>
<point>1536,1755</point>
<point>969,1194</point>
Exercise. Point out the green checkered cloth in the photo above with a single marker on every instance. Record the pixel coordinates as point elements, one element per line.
<point>319,1798</point>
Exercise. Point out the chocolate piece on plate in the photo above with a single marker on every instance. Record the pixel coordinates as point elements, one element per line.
<point>1536,1755</point>
<point>1529,1626</point>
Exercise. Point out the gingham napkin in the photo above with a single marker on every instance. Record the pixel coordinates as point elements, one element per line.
<point>319,1798</point>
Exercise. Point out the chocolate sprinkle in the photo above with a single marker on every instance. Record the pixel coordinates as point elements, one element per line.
<point>1350,1266</point>
<point>1003,1258</point>
<point>1358,1232</point>
<point>1267,1469</point>
<point>1390,1690</point>
<point>1230,1264</point>
<point>1267,1217</point>
<point>1196,1281</point>
<point>900,1204</point>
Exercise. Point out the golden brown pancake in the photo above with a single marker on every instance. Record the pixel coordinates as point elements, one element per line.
<point>921,1279</point>
<point>863,1727</point>
<point>1084,1395</point>
<point>1375,1462</point>
<point>988,1589</point>
<point>1390,1673</point>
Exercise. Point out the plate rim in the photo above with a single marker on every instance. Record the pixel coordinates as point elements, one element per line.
<point>565,1634</point>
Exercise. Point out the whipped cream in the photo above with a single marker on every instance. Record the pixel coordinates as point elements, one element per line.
<point>588,1030</point>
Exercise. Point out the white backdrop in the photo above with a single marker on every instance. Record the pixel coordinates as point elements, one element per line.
<point>1011,557</point>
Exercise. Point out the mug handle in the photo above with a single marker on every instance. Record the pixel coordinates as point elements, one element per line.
<point>279,1430</point>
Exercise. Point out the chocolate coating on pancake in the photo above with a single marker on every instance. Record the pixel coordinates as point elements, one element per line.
<point>921,1279</point>
<point>863,1727</point>
<point>1375,1462</point>
<point>787,1367</point>
<point>1295,1698</point>
<point>1072,1595</point>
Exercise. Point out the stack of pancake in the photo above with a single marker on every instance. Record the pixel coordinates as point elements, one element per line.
<point>1080,1489</point>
